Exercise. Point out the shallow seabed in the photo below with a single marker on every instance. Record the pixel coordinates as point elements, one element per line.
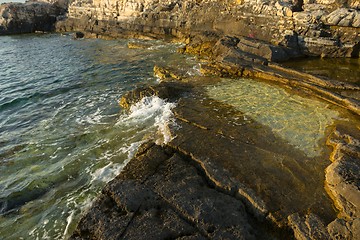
<point>300,121</point>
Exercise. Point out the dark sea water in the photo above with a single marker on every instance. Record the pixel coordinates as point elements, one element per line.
<point>62,132</point>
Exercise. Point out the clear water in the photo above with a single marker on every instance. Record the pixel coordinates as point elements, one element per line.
<point>300,121</point>
<point>341,69</point>
<point>62,132</point>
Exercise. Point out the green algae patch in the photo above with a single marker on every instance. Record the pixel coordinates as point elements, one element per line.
<point>300,121</point>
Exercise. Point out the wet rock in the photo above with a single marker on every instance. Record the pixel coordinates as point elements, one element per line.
<point>267,51</point>
<point>166,73</point>
<point>138,45</point>
<point>193,188</point>
<point>232,154</point>
<point>343,181</point>
<point>343,175</point>
<point>167,90</point>
<point>165,198</point>
<point>79,35</point>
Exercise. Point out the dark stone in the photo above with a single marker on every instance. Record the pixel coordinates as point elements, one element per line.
<point>79,35</point>
<point>28,17</point>
<point>297,6</point>
<point>167,198</point>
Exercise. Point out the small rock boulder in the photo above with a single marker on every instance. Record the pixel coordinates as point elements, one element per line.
<point>78,35</point>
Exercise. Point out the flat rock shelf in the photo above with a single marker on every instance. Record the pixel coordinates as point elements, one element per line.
<point>224,175</point>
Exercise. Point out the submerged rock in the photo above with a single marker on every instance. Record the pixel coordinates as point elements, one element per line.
<point>79,35</point>
<point>137,45</point>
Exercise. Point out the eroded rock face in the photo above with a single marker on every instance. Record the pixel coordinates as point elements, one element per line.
<point>28,17</point>
<point>315,28</point>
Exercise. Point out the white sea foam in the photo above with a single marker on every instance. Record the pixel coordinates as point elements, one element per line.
<point>195,70</point>
<point>107,173</point>
<point>131,150</point>
<point>154,109</point>
<point>94,118</point>
<point>69,220</point>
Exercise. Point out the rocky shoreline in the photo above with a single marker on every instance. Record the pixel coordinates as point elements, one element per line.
<point>218,179</point>
<point>30,17</point>
<point>192,188</point>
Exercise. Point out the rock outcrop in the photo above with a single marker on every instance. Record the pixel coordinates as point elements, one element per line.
<point>29,17</point>
<point>291,28</point>
<point>225,176</point>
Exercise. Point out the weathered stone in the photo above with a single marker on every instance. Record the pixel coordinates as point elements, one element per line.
<point>166,73</point>
<point>243,152</point>
<point>79,35</point>
<point>30,17</point>
<point>138,45</point>
<point>264,21</point>
<point>213,190</point>
<point>167,90</point>
<point>308,227</point>
<point>166,198</point>
<point>341,229</point>
<point>343,181</point>
<point>267,51</point>
<point>344,17</point>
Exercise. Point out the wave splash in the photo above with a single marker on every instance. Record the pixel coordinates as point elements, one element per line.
<point>154,109</point>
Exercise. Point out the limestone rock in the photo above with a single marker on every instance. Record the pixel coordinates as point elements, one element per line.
<point>308,227</point>
<point>166,198</point>
<point>343,181</point>
<point>165,73</point>
<point>267,51</point>
<point>269,22</point>
<point>167,90</point>
<point>344,17</point>
<point>28,17</point>
<point>138,45</point>
<point>343,175</point>
<point>327,47</point>
<point>341,229</point>
<point>191,189</point>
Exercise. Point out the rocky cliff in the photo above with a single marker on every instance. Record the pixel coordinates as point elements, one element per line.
<point>312,27</point>
<point>32,16</point>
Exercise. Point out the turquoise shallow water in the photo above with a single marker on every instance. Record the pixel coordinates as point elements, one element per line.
<point>301,122</point>
<point>63,134</point>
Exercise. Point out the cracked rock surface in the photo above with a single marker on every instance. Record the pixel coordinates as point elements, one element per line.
<point>161,195</point>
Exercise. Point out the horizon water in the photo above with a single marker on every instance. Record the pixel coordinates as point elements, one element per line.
<point>63,134</point>
<point>9,1</point>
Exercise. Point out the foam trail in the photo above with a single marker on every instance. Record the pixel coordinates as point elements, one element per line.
<point>106,173</point>
<point>152,109</point>
<point>132,149</point>
<point>68,220</point>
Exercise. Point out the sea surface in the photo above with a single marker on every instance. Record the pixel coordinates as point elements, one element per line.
<point>63,134</point>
